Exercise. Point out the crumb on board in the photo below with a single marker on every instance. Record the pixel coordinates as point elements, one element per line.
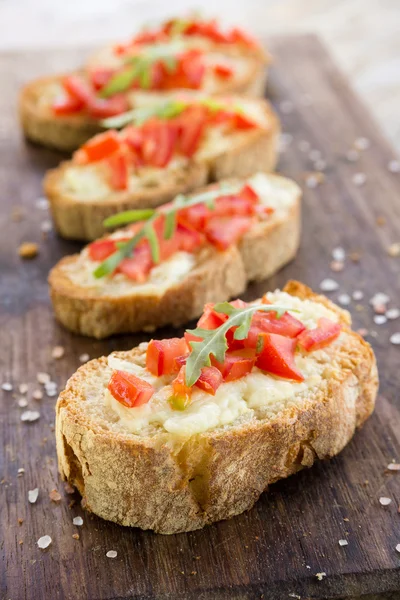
<point>28,250</point>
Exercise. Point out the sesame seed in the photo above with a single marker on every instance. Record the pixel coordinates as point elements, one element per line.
<point>359,178</point>
<point>112,554</point>
<point>44,542</point>
<point>84,358</point>
<point>338,253</point>
<point>344,299</point>
<point>394,166</point>
<point>352,155</point>
<point>328,285</point>
<point>395,339</point>
<point>23,388</point>
<point>57,352</point>
<point>362,143</point>
<point>22,402</point>
<point>394,250</point>
<point>385,501</point>
<point>343,543</point>
<point>358,295</point>
<point>77,521</point>
<point>30,415</point>
<point>6,387</point>
<point>337,266</point>
<point>380,319</point>
<point>43,377</point>
<point>33,495</point>
<point>394,466</point>
<point>37,395</point>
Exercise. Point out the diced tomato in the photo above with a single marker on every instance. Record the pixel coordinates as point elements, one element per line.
<point>236,364</point>
<point>77,88</point>
<point>119,176</point>
<point>191,127</point>
<point>224,231</point>
<point>129,390</point>
<point>100,77</point>
<point>277,356</point>
<point>133,136</point>
<point>158,143</point>
<point>238,36</point>
<point>226,206</point>
<point>187,238</point>
<point>138,266</point>
<point>248,193</point>
<point>101,108</point>
<point>241,121</point>
<point>67,106</point>
<point>161,355</point>
<point>267,322</point>
<point>211,319</point>
<point>223,71</point>
<point>99,147</point>
<point>102,249</point>
<point>149,37</point>
<point>196,215</point>
<point>180,361</point>
<point>321,336</point>
<point>193,68</point>
<point>210,379</point>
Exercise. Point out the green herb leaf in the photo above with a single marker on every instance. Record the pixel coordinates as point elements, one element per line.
<point>138,116</point>
<point>214,340</point>
<point>121,81</point>
<point>170,224</point>
<point>151,235</point>
<point>129,216</point>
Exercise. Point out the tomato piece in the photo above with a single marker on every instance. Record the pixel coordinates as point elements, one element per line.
<point>268,322</point>
<point>226,206</point>
<point>187,238</point>
<point>248,193</point>
<point>100,77</point>
<point>277,356</point>
<point>129,390</point>
<point>133,136</point>
<point>161,355</point>
<point>139,265</point>
<point>193,68</point>
<point>191,128</point>
<point>119,175</point>
<point>67,106</point>
<point>102,249</point>
<point>101,108</point>
<point>99,147</point>
<point>189,337</point>
<point>223,71</point>
<point>196,215</point>
<point>238,36</point>
<point>223,232</point>
<point>241,121</point>
<point>77,88</point>
<point>237,364</point>
<point>158,143</point>
<point>321,336</point>
<point>211,319</point>
<point>210,379</point>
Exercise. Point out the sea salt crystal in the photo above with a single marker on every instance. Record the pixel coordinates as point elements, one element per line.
<point>395,339</point>
<point>362,143</point>
<point>33,495</point>
<point>394,466</point>
<point>385,501</point>
<point>358,295</point>
<point>22,402</point>
<point>398,547</point>
<point>30,415</point>
<point>379,298</point>
<point>84,357</point>
<point>6,387</point>
<point>57,352</point>
<point>338,253</point>
<point>43,378</point>
<point>328,285</point>
<point>344,299</point>
<point>37,395</point>
<point>320,576</point>
<point>112,554</point>
<point>77,521</point>
<point>23,388</point>
<point>380,319</point>
<point>394,166</point>
<point>359,178</point>
<point>343,543</point>
<point>42,203</point>
<point>44,542</point>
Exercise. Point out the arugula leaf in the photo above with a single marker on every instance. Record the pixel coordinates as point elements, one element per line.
<point>121,81</point>
<point>129,216</point>
<point>124,250</point>
<point>151,235</point>
<point>214,340</point>
<point>170,224</point>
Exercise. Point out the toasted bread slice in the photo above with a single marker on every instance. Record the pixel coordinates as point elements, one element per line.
<point>173,471</point>
<point>81,197</point>
<point>177,289</point>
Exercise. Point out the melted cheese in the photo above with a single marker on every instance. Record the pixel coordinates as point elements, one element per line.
<point>238,401</point>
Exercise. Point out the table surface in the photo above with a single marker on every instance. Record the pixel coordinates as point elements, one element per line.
<point>276,549</point>
<point>362,35</point>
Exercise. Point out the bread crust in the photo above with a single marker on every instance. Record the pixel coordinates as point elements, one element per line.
<point>217,276</point>
<point>83,219</point>
<point>69,132</point>
<point>152,483</point>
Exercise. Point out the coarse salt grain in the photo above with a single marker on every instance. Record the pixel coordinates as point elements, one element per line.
<point>84,358</point>
<point>394,466</point>
<point>328,285</point>
<point>343,543</point>
<point>380,319</point>
<point>395,339</point>
<point>44,542</point>
<point>57,352</point>
<point>22,402</point>
<point>33,495</point>
<point>394,250</point>
<point>23,388</point>
<point>358,295</point>
<point>393,313</point>
<point>352,155</point>
<point>359,178</point>
<point>6,387</point>
<point>379,298</point>
<point>338,253</point>
<point>43,377</point>
<point>385,501</point>
<point>42,203</point>
<point>112,554</point>
<point>362,143</point>
<point>344,299</point>
<point>37,395</point>
<point>394,166</point>
<point>337,266</point>
<point>30,415</point>
<point>320,576</point>
<point>21,471</point>
<point>77,521</point>
<point>398,547</point>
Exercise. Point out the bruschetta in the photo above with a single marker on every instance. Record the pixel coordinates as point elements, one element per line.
<point>63,111</point>
<point>194,250</point>
<point>173,147</point>
<point>179,433</point>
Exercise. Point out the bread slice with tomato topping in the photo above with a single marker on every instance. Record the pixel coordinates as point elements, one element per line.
<point>223,237</point>
<point>159,438</point>
<point>64,111</point>
<point>180,145</point>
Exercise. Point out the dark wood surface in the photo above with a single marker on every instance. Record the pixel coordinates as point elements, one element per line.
<point>274,550</point>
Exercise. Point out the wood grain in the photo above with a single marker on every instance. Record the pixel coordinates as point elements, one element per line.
<point>274,550</point>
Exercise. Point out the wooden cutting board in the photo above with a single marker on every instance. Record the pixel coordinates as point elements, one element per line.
<point>275,550</point>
